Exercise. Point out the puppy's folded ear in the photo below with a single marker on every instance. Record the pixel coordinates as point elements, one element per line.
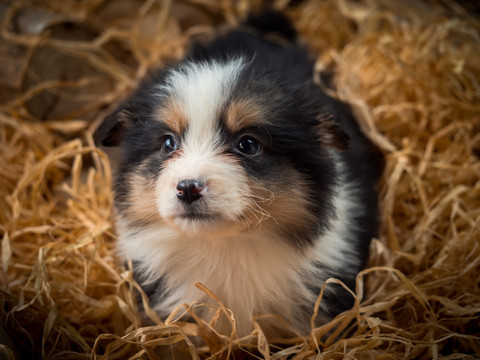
<point>333,135</point>
<point>112,129</point>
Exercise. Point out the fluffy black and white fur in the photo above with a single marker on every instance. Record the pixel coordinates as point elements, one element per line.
<point>238,172</point>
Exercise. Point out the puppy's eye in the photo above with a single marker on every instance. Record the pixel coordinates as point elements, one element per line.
<point>169,144</point>
<point>247,145</point>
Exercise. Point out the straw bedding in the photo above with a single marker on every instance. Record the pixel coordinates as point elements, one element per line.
<point>411,71</point>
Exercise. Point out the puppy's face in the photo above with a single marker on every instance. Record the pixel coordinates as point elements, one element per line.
<point>212,148</point>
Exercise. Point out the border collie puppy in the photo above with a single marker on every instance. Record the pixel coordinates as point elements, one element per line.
<point>238,172</point>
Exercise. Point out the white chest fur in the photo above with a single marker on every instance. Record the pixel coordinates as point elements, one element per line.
<point>252,273</point>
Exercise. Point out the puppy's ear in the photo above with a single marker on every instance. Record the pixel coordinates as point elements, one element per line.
<point>333,135</point>
<point>112,129</point>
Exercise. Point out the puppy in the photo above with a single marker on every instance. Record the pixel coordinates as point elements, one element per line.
<point>236,171</point>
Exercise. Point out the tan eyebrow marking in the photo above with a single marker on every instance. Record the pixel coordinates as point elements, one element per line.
<point>172,115</point>
<point>242,114</point>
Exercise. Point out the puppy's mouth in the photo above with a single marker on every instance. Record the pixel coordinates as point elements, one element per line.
<point>198,216</point>
<point>195,222</point>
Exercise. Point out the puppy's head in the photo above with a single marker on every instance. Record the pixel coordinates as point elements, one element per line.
<point>225,147</point>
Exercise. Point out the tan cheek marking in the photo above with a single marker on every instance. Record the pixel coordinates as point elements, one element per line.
<point>287,206</point>
<point>291,208</point>
<point>285,212</point>
<point>242,114</point>
<point>142,199</point>
<point>172,115</point>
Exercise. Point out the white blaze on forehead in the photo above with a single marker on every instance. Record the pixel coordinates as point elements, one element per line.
<point>200,90</point>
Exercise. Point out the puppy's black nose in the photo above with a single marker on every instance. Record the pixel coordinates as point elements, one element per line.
<point>189,190</point>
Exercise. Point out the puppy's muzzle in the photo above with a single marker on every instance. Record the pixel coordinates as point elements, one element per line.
<point>190,190</point>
